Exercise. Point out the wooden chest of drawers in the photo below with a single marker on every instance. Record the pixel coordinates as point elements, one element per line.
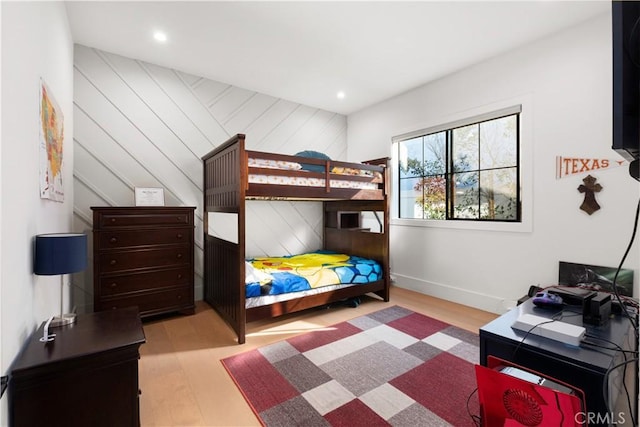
<point>143,256</point>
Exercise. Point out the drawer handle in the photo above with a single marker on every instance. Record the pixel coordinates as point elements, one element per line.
<point>113,240</point>
<point>113,285</point>
<point>179,296</point>
<point>114,308</point>
<point>179,256</point>
<point>113,262</point>
<point>179,276</point>
<point>179,235</point>
<point>179,219</point>
<point>113,220</point>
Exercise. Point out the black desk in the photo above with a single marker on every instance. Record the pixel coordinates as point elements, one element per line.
<point>582,367</point>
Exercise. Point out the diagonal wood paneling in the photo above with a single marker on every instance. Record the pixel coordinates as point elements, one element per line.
<point>141,125</point>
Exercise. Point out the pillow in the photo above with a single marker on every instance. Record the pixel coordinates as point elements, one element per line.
<point>314,155</point>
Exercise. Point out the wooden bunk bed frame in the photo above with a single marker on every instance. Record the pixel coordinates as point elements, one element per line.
<point>227,187</point>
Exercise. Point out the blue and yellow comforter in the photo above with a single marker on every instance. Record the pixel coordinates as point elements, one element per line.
<point>272,276</point>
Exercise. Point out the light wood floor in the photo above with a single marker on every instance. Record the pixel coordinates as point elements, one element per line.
<point>183,382</point>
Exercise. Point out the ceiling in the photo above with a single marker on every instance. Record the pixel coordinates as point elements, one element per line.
<point>307,52</point>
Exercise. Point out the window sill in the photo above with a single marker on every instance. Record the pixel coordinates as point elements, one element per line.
<point>512,227</point>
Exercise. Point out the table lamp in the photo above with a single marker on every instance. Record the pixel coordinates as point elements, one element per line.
<point>60,253</point>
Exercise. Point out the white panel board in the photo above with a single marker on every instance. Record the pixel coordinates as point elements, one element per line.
<point>224,226</point>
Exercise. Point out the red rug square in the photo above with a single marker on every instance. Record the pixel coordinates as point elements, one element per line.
<point>315,339</point>
<point>418,325</point>
<point>354,413</point>
<point>243,368</point>
<point>443,385</point>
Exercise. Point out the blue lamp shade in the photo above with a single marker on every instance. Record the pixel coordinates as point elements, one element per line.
<point>60,253</point>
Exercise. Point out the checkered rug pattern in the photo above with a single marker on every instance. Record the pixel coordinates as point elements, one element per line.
<point>391,367</point>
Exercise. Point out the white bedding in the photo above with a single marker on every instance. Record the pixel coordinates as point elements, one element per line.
<point>310,182</point>
<point>270,299</point>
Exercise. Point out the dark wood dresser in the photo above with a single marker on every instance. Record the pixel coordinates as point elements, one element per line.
<point>87,376</point>
<point>143,257</point>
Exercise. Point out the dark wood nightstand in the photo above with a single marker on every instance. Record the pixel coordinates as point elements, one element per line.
<point>87,376</point>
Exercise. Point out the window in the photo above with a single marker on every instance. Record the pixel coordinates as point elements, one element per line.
<point>468,170</point>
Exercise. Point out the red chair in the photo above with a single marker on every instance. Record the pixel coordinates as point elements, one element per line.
<point>511,395</point>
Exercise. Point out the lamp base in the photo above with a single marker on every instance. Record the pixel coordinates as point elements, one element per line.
<point>65,319</point>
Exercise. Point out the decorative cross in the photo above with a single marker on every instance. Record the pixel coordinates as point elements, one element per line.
<point>589,188</point>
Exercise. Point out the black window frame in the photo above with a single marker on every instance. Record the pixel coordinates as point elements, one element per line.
<point>448,130</point>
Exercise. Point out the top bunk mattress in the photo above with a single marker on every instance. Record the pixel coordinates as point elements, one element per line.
<point>263,171</point>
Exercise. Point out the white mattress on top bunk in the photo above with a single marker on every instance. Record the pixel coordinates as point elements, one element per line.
<point>311,181</point>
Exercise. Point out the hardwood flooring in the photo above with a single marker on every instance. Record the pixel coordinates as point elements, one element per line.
<point>183,382</point>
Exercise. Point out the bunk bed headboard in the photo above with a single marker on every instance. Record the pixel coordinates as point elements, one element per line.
<point>224,186</point>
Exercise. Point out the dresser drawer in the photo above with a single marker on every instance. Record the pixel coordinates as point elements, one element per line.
<point>144,281</point>
<point>151,303</point>
<point>124,239</point>
<point>142,218</point>
<point>111,262</point>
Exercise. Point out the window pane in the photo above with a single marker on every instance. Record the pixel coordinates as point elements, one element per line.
<point>465,148</point>
<point>498,194</point>
<point>435,201</point>
<point>465,195</point>
<point>498,143</point>
<point>411,198</point>
<point>435,153</point>
<point>410,155</point>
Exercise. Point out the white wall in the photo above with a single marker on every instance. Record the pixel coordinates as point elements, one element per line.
<point>142,125</point>
<point>564,85</point>
<point>36,43</point>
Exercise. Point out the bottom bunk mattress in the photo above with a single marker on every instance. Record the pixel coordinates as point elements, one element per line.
<point>270,279</point>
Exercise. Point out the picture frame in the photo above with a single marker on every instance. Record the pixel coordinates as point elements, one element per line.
<point>51,141</point>
<point>149,196</point>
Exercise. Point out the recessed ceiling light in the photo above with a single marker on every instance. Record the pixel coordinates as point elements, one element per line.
<point>340,95</point>
<point>160,36</point>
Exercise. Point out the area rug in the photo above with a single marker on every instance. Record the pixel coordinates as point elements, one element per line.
<point>391,367</point>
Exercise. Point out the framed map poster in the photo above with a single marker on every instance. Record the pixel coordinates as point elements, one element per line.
<point>51,140</point>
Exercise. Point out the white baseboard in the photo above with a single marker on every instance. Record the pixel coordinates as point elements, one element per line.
<point>451,293</point>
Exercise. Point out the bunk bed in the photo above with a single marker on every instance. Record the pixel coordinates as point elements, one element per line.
<point>233,175</point>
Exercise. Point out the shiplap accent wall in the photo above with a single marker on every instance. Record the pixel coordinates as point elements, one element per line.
<point>141,125</point>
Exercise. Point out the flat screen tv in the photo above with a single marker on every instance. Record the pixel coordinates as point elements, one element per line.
<point>626,78</point>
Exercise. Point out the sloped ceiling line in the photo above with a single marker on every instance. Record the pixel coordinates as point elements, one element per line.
<point>213,101</point>
<point>243,105</point>
<point>262,114</point>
